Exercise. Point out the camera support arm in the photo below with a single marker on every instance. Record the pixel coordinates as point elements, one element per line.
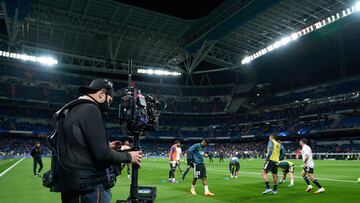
<point>135,171</point>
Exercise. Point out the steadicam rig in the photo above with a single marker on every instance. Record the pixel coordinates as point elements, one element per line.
<point>138,113</point>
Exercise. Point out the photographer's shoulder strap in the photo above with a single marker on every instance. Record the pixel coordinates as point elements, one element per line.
<point>59,117</point>
<point>57,137</point>
<point>69,106</point>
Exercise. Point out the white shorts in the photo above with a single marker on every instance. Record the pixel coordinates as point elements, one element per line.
<point>173,163</point>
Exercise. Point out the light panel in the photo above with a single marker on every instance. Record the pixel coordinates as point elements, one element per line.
<point>357,6</point>
<point>294,36</point>
<point>45,60</point>
<point>158,72</point>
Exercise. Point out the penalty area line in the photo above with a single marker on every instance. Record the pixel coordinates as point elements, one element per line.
<point>254,173</point>
<point>11,167</point>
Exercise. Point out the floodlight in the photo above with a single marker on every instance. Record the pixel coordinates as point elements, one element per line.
<point>270,48</point>
<point>294,36</point>
<point>246,60</point>
<point>46,60</point>
<point>285,40</point>
<point>277,44</point>
<point>158,72</point>
<point>357,6</point>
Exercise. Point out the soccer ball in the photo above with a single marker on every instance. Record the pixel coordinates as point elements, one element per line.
<point>358,180</point>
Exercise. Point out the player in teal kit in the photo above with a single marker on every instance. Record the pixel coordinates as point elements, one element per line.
<point>196,153</point>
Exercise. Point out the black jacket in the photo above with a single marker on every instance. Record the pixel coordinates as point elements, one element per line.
<point>86,147</point>
<point>36,153</point>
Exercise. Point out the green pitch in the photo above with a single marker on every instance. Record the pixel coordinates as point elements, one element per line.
<point>338,177</point>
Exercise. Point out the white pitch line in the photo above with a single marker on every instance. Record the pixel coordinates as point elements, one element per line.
<point>253,173</point>
<point>12,166</point>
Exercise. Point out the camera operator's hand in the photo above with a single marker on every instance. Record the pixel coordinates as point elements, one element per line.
<point>136,157</point>
<point>116,145</point>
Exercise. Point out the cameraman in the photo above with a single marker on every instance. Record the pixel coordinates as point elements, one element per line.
<point>86,151</point>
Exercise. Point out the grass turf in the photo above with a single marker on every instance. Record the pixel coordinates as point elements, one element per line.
<point>4,164</point>
<point>338,177</point>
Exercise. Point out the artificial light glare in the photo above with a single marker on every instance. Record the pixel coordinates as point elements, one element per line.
<point>357,6</point>
<point>158,72</point>
<point>294,36</point>
<point>45,60</point>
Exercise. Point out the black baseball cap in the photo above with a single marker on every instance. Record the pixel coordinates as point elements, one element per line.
<point>97,85</point>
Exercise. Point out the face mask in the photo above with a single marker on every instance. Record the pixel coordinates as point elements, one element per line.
<point>105,105</point>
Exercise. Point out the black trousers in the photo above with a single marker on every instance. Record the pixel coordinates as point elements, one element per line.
<point>172,170</point>
<point>99,195</point>
<point>36,162</point>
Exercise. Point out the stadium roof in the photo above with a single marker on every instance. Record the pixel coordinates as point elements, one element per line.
<point>101,36</point>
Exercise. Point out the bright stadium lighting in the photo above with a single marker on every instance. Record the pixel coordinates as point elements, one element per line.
<point>294,36</point>
<point>45,60</point>
<point>270,48</point>
<point>357,6</point>
<point>277,44</point>
<point>158,72</point>
<point>246,60</point>
<point>285,40</point>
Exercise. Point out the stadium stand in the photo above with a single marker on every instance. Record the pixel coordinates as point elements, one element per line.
<point>314,110</point>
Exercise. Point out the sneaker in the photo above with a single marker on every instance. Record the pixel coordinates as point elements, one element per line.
<point>231,177</point>
<point>169,180</point>
<point>267,191</point>
<point>193,191</point>
<point>309,188</point>
<point>282,181</point>
<point>274,192</point>
<point>236,176</point>
<point>208,193</point>
<point>320,190</point>
<point>291,185</point>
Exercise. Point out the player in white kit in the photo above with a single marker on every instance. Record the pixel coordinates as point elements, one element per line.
<point>308,167</point>
<point>178,157</point>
